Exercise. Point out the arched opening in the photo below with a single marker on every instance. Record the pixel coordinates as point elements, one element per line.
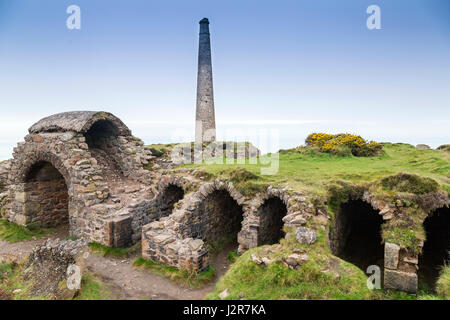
<point>46,195</point>
<point>270,215</point>
<point>102,135</point>
<point>171,195</point>
<point>102,140</point>
<point>218,220</point>
<point>356,235</point>
<point>435,252</point>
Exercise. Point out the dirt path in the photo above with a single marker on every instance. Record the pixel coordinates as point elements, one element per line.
<point>20,250</point>
<point>126,282</point>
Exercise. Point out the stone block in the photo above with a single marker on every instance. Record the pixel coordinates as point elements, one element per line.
<point>391,255</point>
<point>20,197</point>
<point>400,280</point>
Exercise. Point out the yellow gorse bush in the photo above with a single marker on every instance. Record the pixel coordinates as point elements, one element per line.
<point>343,143</point>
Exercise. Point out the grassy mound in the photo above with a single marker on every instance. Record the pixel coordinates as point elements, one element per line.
<point>411,183</point>
<point>323,276</point>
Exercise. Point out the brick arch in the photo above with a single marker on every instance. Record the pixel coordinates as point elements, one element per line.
<point>171,180</point>
<point>208,188</point>
<point>32,158</point>
<point>122,129</point>
<point>218,211</point>
<point>45,197</point>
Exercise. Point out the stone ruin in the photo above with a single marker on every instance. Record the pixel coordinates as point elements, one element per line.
<point>86,170</point>
<point>355,236</point>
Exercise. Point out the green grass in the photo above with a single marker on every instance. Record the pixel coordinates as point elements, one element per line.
<point>400,172</point>
<point>92,288</point>
<point>313,172</point>
<point>232,256</point>
<point>322,277</point>
<point>12,283</point>
<point>15,233</point>
<point>106,251</point>
<point>188,278</point>
<point>443,284</point>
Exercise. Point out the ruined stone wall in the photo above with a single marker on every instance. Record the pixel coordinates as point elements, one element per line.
<point>52,268</point>
<point>4,172</point>
<point>173,240</point>
<point>68,154</point>
<point>216,216</point>
<point>254,226</point>
<point>179,239</point>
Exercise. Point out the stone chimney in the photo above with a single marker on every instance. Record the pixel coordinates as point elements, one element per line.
<point>205,123</point>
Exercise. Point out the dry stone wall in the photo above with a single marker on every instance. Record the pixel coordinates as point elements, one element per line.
<point>55,268</point>
<point>179,239</point>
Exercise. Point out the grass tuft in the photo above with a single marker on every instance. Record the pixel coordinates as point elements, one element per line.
<point>15,233</point>
<point>92,288</point>
<point>106,251</point>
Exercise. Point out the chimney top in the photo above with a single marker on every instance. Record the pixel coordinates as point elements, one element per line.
<point>204,20</point>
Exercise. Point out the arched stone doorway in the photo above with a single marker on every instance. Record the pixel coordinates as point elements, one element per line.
<point>435,252</point>
<point>46,197</point>
<point>356,235</point>
<point>271,215</point>
<point>219,219</point>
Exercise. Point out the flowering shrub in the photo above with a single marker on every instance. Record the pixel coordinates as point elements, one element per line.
<point>343,144</point>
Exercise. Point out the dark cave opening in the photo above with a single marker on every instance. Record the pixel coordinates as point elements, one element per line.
<point>102,140</point>
<point>356,235</point>
<point>101,135</point>
<point>171,195</point>
<point>270,215</point>
<point>435,252</point>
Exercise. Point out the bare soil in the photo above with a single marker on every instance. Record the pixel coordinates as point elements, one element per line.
<point>128,283</point>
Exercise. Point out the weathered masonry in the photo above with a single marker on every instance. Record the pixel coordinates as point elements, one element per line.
<point>355,236</point>
<point>218,210</point>
<point>75,168</point>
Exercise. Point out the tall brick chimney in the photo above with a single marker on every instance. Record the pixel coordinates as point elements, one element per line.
<point>205,123</point>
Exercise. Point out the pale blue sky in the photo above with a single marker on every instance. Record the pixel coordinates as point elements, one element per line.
<point>294,66</point>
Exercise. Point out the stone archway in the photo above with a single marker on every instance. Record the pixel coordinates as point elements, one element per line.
<point>46,196</point>
<point>271,214</point>
<point>356,235</point>
<point>102,141</point>
<point>436,249</point>
<point>218,216</point>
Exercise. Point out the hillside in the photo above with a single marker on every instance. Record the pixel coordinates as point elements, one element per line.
<point>400,173</point>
